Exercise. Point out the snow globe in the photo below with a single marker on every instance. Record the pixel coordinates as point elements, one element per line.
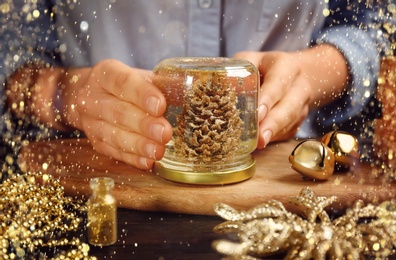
<point>212,105</point>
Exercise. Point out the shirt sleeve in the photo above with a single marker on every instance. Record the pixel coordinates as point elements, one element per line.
<point>355,29</point>
<point>27,37</point>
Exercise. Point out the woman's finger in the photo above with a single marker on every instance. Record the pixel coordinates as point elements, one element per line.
<point>124,141</point>
<point>129,84</point>
<point>138,161</point>
<point>282,120</point>
<point>278,77</point>
<point>105,107</point>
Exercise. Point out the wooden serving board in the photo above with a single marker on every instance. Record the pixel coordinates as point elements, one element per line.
<point>74,162</point>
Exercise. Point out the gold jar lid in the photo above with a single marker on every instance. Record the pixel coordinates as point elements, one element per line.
<point>242,173</point>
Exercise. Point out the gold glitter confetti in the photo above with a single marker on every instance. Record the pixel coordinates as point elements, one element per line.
<point>384,142</point>
<point>269,229</point>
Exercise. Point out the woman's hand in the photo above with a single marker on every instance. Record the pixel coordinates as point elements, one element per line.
<point>293,83</point>
<point>120,111</point>
<point>284,96</point>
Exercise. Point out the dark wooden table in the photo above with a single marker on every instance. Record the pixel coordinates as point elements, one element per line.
<point>158,219</point>
<point>165,236</point>
<point>159,235</point>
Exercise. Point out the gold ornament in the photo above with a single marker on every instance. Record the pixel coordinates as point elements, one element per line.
<point>269,229</point>
<point>344,146</point>
<point>313,160</point>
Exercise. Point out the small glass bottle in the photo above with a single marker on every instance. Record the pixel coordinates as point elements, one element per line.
<point>102,213</point>
<point>212,107</point>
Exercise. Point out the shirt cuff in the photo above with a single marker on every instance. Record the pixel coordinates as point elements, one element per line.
<point>363,60</point>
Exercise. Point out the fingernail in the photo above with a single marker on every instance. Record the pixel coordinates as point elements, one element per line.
<point>267,137</point>
<point>153,104</point>
<point>143,161</point>
<point>262,111</point>
<point>150,150</point>
<point>156,131</point>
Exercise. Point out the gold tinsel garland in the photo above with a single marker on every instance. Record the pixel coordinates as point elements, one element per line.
<point>37,219</point>
<point>267,229</point>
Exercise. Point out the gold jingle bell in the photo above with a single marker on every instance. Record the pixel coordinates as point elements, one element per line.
<point>313,160</point>
<point>344,146</point>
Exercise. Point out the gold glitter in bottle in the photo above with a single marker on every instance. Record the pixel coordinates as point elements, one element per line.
<point>102,213</point>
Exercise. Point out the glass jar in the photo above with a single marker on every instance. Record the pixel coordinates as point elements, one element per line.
<point>102,213</point>
<point>212,107</point>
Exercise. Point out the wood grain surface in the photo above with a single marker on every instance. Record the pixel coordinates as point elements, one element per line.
<point>74,162</point>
